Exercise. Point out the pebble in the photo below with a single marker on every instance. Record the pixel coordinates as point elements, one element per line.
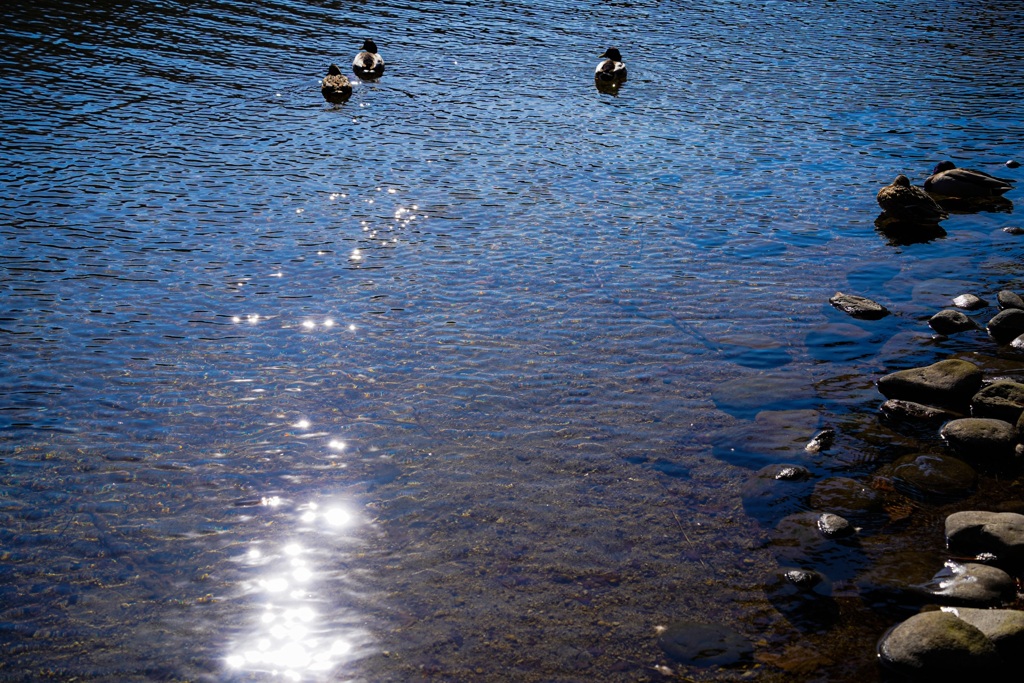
<point>1012,163</point>
<point>969,302</point>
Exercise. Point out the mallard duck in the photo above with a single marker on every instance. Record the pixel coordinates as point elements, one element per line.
<point>368,64</point>
<point>612,68</point>
<point>964,183</point>
<point>910,204</point>
<point>335,85</point>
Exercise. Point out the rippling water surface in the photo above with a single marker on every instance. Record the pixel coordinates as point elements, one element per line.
<point>459,379</point>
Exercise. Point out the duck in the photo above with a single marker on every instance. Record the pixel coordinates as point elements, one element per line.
<point>335,86</point>
<point>612,68</point>
<point>368,64</point>
<point>965,183</point>
<point>904,202</point>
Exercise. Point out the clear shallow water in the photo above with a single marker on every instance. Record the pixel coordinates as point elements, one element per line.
<point>452,380</point>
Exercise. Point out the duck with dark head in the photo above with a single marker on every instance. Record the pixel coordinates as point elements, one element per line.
<point>335,87</point>
<point>368,65</point>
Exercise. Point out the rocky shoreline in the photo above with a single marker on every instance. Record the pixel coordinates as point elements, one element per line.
<point>970,618</point>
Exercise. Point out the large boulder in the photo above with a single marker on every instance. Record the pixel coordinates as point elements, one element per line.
<point>1004,627</point>
<point>973,532</point>
<point>948,383</point>
<point>981,439</point>
<point>1006,325</point>
<point>938,646</point>
<point>1002,400</point>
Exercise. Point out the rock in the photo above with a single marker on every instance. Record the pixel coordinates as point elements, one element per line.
<point>933,477</point>
<point>972,584</point>
<point>1002,400</point>
<point>834,526</point>
<point>947,383</point>
<point>804,597</point>
<point>1012,163</point>
<point>981,439</point>
<point>847,496</point>
<point>822,441</point>
<point>1014,230</point>
<point>1000,533</point>
<point>775,491</point>
<point>1004,627</point>
<point>1008,299</point>
<point>858,306</point>
<point>895,409</point>
<point>969,302</point>
<point>696,644</point>
<point>938,646</point>
<point>798,541</point>
<point>1006,325</point>
<point>1018,343</point>
<point>950,322</point>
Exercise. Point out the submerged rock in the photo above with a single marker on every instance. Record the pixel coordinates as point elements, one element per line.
<point>896,409</point>
<point>947,383</point>
<point>938,646</point>
<point>775,491</point>
<point>858,306</point>
<point>696,644</point>
<point>847,496</point>
<point>933,477</point>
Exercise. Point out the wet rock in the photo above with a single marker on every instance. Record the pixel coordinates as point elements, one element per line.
<point>1012,163</point>
<point>895,409</point>
<point>847,496</point>
<point>1001,533</point>
<point>892,578</point>
<point>970,584</point>
<point>1006,325</point>
<point>858,306</point>
<point>1018,343</point>
<point>822,441</point>
<point>947,383</point>
<point>1013,230</point>
<point>804,597</point>
<point>933,477</point>
<point>696,644</point>
<point>1008,299</point>
<point>834,526</point>
<point>950,322</point>
<point>969,302</point>
<point>797,540</point>
<point>1000,400</point>
<point>1004,627</point>
<point>938,646</point>
<point>981,439</point>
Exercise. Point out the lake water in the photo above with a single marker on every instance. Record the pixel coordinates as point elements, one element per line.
<point>461,379</point>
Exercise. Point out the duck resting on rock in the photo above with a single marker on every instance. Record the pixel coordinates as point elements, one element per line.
<point>368,64</point>
<point>964,183</point>
<point>611,70</point>
<point>906,203</point>
<point>335,86</point>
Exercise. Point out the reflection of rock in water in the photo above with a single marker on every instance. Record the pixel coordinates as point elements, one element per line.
<point>902,233</point>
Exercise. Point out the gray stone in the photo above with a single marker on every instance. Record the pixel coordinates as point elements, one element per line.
<point>1008,299</point>
<point>834,526</point>
<point>969,302</point>
<point>981,439</point>
<point>999,400</point>
<point>1004,627</point>
<point>822,441</point>
<point>858,306</point>
<point>938,646</point>
<point>971,584</point>
<point>947,383</point>
<point>896,409</point>
<point>1006,325</point>
<point>1001,533</point>
<point>950,322</point>
<point>933,476</point>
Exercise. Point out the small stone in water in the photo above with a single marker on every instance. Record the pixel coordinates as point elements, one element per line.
<point>802,578</point>
<point>1012,163</point>
<point>834,526</point>
<point>822,441</point>
<point>1014,230</point>
<point>969,302</point>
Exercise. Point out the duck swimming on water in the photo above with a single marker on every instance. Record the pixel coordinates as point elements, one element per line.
<point>368,64</point>
<point>335,87</point>
<point>906,203</point>
<point>612,69</point>
<point>964,183</point>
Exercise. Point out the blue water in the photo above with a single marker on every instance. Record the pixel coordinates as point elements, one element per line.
<point>453,381</point>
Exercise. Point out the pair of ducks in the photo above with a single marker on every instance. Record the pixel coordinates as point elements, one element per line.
<point>368,65</point>
<point>904,202</point>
